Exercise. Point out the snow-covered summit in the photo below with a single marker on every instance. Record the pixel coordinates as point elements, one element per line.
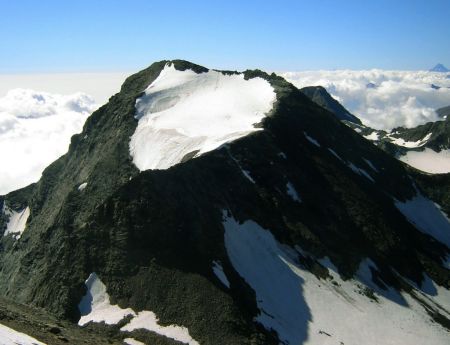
<point>184,112</point>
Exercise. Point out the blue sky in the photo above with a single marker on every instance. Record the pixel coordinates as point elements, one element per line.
<point>74,36</point>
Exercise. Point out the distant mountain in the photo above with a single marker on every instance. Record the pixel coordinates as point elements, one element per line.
<point>425,147</point>
<point>320,96</point>
<point>443,112</point>
<point>209,207</point>
<point>435,87</point>
<point>439,68</point>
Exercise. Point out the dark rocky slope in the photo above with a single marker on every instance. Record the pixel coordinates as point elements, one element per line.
<point>152,236</point>
<point>50,330</point>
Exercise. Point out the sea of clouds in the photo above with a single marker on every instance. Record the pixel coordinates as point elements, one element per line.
<point>35,129</point>
<point>382,99</point>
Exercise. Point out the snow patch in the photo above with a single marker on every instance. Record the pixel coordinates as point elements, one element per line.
<point>220,274</point>
<point>409,144</point>
<point>427,217</point>
<point>96,307</point>
<point>82,186</point>
<point>311,139</point>
<point>8,336</point>
<point>17,222</point>
<point>292,192</point>
<point>374,136</point>
<point>184,112</point>
<point>428,160</point>
<point>131,341</point>
<point>148,320</point>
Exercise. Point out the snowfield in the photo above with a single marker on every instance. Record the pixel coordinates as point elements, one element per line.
<point>306,310</point>
<point>95,306</point>
<point>183,112</point>
<point>8,336</point>
<point>428,160</point>
<point>426,216</point>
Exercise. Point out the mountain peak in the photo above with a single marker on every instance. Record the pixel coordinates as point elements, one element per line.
<point>172,113</point>
<point>320,95</point>
<point>250,227</point>
<point>439,68</point>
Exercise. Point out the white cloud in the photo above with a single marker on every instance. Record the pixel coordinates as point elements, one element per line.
<point>400,98</point>
<point>35,129</point>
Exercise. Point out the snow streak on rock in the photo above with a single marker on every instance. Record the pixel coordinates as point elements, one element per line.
<point>220,274</point>
<point>17,221</point>
<point>311,139</point>
<point>292,192</point>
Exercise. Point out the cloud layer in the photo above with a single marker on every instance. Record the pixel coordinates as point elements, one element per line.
<point>35,129</point>
<point>101,86</point>
<point>382,99</point>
